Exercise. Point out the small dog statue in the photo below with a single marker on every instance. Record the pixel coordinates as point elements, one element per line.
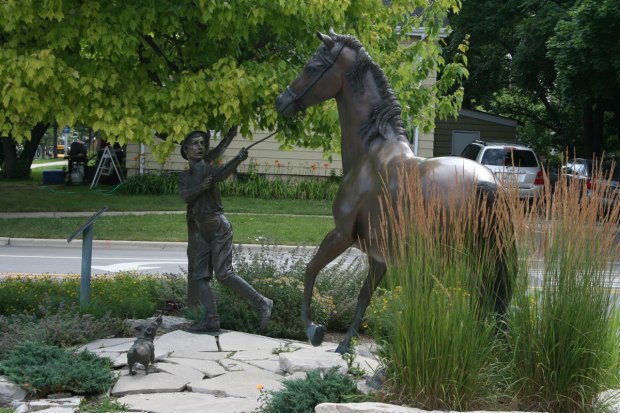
<point>143,350</point>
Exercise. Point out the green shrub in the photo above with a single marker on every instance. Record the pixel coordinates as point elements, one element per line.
<point>251,185</point>
<point>285,289</point>
<point>124,295</point>
<point>151,184</point>
<point>41,369</point>
<point>258,186</point>
<point>104,405</point>
<point>303,395</point>
<point>342,281</point>
<point>65,326</point>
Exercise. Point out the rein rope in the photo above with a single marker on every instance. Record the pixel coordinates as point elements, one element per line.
<point>296,97</point>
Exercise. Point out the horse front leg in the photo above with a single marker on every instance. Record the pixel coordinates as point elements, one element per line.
<point>376,272</point>
<point>331,247</point>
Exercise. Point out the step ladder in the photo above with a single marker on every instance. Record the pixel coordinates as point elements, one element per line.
<point>109,163</point>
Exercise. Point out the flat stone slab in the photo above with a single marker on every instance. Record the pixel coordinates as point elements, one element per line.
<point>60,405</point>
<point>307,359</point>
<point>187,402</point>
<point>157,382</point>
<point>182,341</point>
<point>108,343</point>
<point>377,408</point>
<point>208,368</point>
<point>241,384</point>
<point>235,341</point>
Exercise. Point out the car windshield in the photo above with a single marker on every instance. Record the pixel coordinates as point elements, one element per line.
<point>508,156</point>
<point>581,168</point>
<point>470,152</point>
<point>609,172</point>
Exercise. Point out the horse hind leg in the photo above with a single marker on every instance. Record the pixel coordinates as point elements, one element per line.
<point>505,265</point>
<point>376,272</point>
<point>331,247</point>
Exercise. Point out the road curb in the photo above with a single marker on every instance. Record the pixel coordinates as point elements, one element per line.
<point>40,242</point>
<point>59,243</point>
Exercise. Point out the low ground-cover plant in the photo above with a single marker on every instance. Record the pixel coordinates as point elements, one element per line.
<point>302,395</point>
<point>41,369</point>
<point>102,405</point>
<point>62,326</point>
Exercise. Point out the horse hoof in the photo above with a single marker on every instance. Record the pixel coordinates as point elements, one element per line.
<point>342,348</point>
<point>315,334</point>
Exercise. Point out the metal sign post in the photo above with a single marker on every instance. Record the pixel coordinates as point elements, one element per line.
<point>87,252</point>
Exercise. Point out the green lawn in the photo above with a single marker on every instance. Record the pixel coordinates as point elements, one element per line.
<point>254,220</point>
<point>248,228</point>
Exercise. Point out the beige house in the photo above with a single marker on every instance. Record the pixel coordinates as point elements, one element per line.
<point>449,138</point>
<point>265,158</point>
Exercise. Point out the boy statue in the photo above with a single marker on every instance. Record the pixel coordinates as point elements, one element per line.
<point>210,236</point>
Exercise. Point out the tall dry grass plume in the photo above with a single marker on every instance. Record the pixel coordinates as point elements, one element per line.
<point>564,318</point>
<point>457,255</point>
<point>452,260</point>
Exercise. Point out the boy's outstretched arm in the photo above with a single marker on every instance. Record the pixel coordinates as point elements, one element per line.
<point>221,147</point>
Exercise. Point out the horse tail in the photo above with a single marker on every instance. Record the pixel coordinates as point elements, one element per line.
<point>499,236</point>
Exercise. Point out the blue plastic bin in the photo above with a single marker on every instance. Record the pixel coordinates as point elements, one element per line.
<point>53,177</point>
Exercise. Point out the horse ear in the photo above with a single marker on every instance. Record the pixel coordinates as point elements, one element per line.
<point>332,33</point>
<point>329,42</point>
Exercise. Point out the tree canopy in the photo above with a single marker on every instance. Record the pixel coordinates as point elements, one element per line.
<point>553,65</point>
<point>137,70</point>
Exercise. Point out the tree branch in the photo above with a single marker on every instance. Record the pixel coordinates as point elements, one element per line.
<point>157,50</point>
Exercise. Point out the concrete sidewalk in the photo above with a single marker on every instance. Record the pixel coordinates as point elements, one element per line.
<point>9,215</point>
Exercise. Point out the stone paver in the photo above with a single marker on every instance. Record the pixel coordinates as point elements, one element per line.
<point>190,374</point>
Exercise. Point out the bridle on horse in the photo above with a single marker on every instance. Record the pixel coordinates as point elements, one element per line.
<point>296,97</point>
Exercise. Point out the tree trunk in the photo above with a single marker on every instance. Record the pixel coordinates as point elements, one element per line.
<point>17,163</point>
<point>593,128</point>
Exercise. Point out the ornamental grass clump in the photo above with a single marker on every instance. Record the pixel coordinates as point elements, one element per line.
<point>563,329</point>
<point>438,330</point>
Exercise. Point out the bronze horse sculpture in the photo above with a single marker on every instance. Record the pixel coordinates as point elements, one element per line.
<point>374,147</point>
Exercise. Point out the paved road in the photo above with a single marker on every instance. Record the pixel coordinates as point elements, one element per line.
<point>28,256</point>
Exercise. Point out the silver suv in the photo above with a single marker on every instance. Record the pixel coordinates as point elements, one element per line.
<point>601,178</point>
<point>516,166</point>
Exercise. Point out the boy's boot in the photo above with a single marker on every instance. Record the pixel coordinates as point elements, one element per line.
<point>262,305</point>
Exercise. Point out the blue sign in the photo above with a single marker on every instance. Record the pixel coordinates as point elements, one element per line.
<point>66,129</point>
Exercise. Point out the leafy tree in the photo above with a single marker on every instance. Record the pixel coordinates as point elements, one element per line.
<point>137,70</point>
<point>522,58</point>
<point>587,63</point>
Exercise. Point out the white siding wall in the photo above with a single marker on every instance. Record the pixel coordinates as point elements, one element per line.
<point>266,157</point>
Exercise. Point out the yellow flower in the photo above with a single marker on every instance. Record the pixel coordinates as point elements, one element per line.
<point>259,387</point>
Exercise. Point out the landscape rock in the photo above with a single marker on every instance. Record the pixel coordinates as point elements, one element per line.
<point>377,408</point>
<point>10,391</point>
<point>60,405</point>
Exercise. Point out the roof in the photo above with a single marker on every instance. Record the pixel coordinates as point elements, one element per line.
<point>487,117</point>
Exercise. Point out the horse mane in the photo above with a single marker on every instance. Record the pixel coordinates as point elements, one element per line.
<point>388,113</point>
